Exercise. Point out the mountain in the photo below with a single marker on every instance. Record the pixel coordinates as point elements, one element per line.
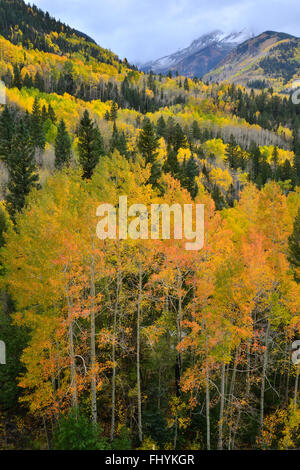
<point>271,59</point>
<point>204,54</point>
<point>25,24</point>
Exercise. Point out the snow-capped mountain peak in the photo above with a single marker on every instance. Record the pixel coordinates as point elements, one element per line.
<point>220,41</point>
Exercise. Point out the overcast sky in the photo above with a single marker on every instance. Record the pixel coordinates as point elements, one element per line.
<point>142,30</point>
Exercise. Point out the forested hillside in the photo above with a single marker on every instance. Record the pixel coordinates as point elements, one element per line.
<point>141,344</point>
<point>270,59</point>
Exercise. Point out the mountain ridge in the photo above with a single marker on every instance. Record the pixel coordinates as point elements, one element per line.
<point>271,57</point>
<point>203,54</point>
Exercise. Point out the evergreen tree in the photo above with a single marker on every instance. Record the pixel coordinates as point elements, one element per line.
<point>172,165</point>
<point>118,142</point>
<point>161,127</point>
<point>36,126</point>
<point>22,169</point>
<point>113,112</point>
<point>275,163</point>
<point>17,81</point>
<point>297,160</point>
<point>218,198</point>
<point>232,153</point>
<point>6,134</point>
<point>190,173</point>
<point>51,114</point>
<point>255,157</point>
<point>114,138</point>
<point>294,247</point>
<point>186,85</point>
<point>196,132</point>
<point>39,82</point>
<point>179,138</point>
<point>90,145</point>
<point>62,146</point>
<point>28,82</point>
<point>148,146</point>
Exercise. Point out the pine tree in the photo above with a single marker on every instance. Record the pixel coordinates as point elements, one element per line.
<point>6,134</point>
<point>17,81</point>
<point>39,82</point>
<point>22,169</point>
<point>190,173</point>
<point>51,114</point>
<point>196,132</point>
<point>297,159</point>
<point>113,112</point>
<point>62,146</point>
<point>179,139</point>
<point>294,247</point>
<point>28,82</point>
<point>118,142</point>
<point>232,153</point>
<point>161,127</point>
<point>36,126</point>
<point>255,156</point>
<point>114,138</point>
<point>148,146</point>
<point>90,145</point>
<point>172,165</point>
<point>275,162</point>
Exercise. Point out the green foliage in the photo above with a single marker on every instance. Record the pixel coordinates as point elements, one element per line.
<point>123,441</point>
<point>6,133</point>
<point>90,145</point>
<point>76,432</point>
<point>22,169</point>
<point>294,247</point>
<point>62,146</point>
<point>148,146</point>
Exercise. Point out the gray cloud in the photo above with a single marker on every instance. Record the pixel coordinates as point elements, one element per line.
<point>147,29</point>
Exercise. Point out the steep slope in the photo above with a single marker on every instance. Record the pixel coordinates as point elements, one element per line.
<point>33,29</point>
<point>201,56</point>
<point>270,59</point>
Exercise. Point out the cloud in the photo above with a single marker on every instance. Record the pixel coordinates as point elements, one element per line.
<point>147,29</point>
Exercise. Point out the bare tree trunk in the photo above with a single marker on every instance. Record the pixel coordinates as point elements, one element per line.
<point>179,316</point>
<point>72,355</point>
<point>176,432</point>
<point>263,379</point>
<point>207,404</point>
<point>113,391</point>
<point>159,387</point>
<point>248,376</point>
<point>296,387</point>
<point>231,392</point>
<point>93,344</point>
<point>138,366</point>
<point>236,428</point>
<point>222,400</point>
<point>46,433</point>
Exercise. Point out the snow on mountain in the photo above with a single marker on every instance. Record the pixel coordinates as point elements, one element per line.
<point>214,40</point>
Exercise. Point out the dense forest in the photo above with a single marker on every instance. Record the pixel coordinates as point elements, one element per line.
<point>141,344</point>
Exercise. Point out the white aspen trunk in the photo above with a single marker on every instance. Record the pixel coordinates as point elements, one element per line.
<point>138,366</point>
<point>93,344</point>
<point>207,404</point>
<point>263,380</point>
<point>72,355</point>
<point>248,382</point>
<point>296,388</point>
<point>113,390</point>
<point>231,392</point>
<point>222,401</point>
